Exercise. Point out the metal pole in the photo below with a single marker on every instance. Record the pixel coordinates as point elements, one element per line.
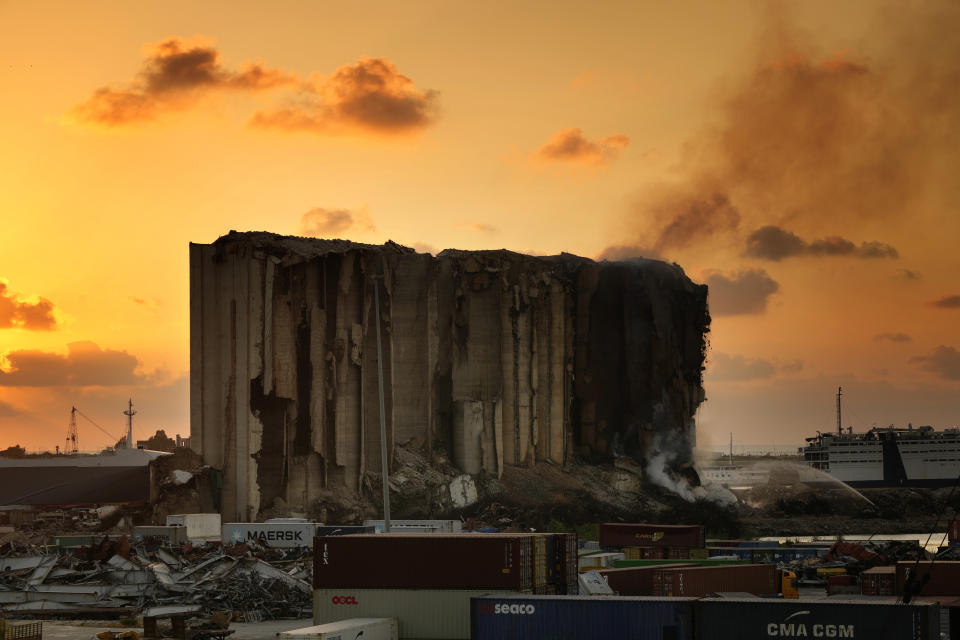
<point>384,468</point>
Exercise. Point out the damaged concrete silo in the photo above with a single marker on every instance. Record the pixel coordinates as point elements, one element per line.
<point>491,358</point>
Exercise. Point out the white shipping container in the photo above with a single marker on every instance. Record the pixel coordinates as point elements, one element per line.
<point>270,534</point>
<point>172,536</point>
<point>420,613</point>
<point>438,526</point>
<point>599,561</point>
<point>200,526</point>
<point>368,628</point>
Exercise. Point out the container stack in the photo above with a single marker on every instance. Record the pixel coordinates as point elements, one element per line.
<point>427,580</point>
<point>944,576</point>
<point>634,581</point>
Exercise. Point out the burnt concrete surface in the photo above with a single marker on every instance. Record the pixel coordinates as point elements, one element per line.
<point>491,358</point>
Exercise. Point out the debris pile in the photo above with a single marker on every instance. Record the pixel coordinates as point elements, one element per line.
<point>117,577</point>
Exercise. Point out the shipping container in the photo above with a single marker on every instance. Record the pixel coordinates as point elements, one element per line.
<point>269,534</point>
<point>367,628</point>
<point>433,526</point>
<point>341,530</point>
<point>523,617</point>
<point>953,532</point>
<point>644,553</point>
<point>879,581</point>
<point>944,577</point>
<point>420,613</point>
<point>442,561</point>
<point>567,546</point>
<point>200,526</point>
<point>633,581</point>
<point>614,534</point>
<point>758,579</point>
<point>764,618</point>
<point>169,536</point>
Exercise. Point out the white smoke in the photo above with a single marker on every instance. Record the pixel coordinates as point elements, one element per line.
<point>666,456</point>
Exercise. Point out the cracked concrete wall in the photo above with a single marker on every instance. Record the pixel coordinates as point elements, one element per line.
<point>491,358</point>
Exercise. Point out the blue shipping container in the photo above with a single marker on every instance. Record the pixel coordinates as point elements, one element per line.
<point>525,617</point>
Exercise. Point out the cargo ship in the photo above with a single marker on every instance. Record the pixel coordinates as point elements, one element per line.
<point>886,456</point>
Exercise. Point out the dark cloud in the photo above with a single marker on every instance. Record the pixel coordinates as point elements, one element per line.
<point>370,96</point>
<point>892,337</point>
<point>85,365</point>
<point>618,253</point>
<point>570,145</point>
<point>946,302</point>
<point>737,368</point>
<point>17,314</point>
<point>823,141</point>
<point>775,243</point>
<point>741,293</point>
<point>907,274</point>
<point>944,362</point>
<point>174,75</point>
<point>320,222</point>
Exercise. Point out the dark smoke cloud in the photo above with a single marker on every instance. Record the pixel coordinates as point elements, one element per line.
<point>570,145</point>
<point>824,141</point>
<point>737,368</point>
<point>619,253</point>
<point>85,365</point>
<point>7,411</point>
<point>370,96</point>
<point>944,362</point>
<point>775,243</point>
<point>946,302</point>
<point>692,218</point>
<point>742,293</point>
<point>17,314</point>
<point>320,222</point>
<point>174,75</point>
<point>892,337</point>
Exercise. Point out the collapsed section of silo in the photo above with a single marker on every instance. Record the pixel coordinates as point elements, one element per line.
<point>490,359</point>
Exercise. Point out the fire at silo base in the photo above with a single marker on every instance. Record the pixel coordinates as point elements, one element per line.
<point>493,362</point>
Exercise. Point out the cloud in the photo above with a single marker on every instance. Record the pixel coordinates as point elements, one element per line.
<point>17,314</point>
<point>174,75</point>
<point>775,243</point>
<point>371,96</point>
<point>745,292</point>
<point>946,302</point>
<point>944,362</point>
<point>85,364</point>
<point>481,227</point>
<point>570,145</point>
<point>320,222</point>
<point>7,411</point>
<point>908,274</point>
<point>892,337</point>
<point>618,253</point>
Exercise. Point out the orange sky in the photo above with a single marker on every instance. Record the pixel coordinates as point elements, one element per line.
<point>803,161</point>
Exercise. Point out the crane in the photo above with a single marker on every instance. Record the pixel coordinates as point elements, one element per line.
<point>72,433</point>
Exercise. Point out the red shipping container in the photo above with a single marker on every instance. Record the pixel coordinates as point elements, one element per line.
<point>614,534</point>
<point>424,561</point>
<point>944,577</point>
<point>878,581</point>
<point>953,533</point>
<point>758,579</point>
<point>634,581</point>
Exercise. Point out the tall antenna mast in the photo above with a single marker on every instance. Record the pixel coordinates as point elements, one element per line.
<point>839,419</point>
<point>73,446</point>
<point>130,413</point>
